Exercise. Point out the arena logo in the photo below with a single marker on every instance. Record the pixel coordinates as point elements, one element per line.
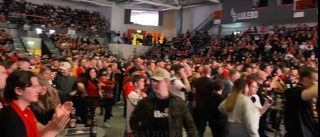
<point>243,15</point>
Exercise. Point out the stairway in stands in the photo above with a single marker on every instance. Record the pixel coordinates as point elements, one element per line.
<point>19,45</point>
<point>206,25</point>
<point>48,46</point>
<point>51,47</point>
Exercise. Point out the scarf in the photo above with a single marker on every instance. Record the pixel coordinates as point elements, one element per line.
<point>28,119</point>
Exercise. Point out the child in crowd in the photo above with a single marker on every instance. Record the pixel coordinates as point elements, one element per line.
<point>136,95</point>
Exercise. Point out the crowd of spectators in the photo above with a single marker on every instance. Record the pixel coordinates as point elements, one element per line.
<point>183,46</point>
<point>280,45</point>
<point>78,46</point>
<point>54,16</point>
<point>270,60</point>
<point>6,42</point>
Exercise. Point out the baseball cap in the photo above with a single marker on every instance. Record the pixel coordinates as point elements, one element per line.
<point>132,70</point>
<point>65,65</point>
<point>159,60</point>
<point>160,74</point>
<point>24,59</point>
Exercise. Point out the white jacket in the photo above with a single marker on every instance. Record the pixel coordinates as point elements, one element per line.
<point>245,113</point>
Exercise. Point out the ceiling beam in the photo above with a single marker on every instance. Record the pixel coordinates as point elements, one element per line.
<point>158,4</point>
<point>197,4</point>
<point>138,7</point>
<point>98,2</point>
<point>215,1</point>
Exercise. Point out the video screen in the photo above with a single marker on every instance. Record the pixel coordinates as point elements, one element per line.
<point>144,17</point>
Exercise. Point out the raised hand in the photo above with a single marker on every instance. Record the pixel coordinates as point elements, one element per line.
<point>60,110</point>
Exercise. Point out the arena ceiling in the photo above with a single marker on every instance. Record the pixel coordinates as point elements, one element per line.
<point>160,5</point>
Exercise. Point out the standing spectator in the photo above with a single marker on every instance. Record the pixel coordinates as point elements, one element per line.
<point>298,116</point>
<point>65,82</point>
<point>108,96</point>
<point>202,87</point>
<point>136,95</point>
<point>228,83</point>
<point>179,82</point>
<point>243,116</point>
<point>89,89</point>
<point>163,114</point>
<point>217,120</point>
<point>124,37</point>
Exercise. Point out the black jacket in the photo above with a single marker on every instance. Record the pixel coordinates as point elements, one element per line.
<point>141,121</point>
<point>11,125</point>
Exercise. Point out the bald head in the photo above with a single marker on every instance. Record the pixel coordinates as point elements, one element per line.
<point>207,70</point>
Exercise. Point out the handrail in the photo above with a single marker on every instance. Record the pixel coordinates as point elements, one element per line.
<point>138,52</point>
<point>45,48</point>
<point>28,15</point>
<point>203,22</point>
<point>24,46</point>
<point>207,26</point>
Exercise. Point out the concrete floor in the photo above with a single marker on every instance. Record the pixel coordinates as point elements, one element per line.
<point>118,124</point>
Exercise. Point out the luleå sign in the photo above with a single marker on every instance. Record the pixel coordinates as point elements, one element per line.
<point>243,15</point>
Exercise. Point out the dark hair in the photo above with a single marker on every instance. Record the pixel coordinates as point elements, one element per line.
<point>86,78</point>
<point>274,71</point>
<point>177,68</point>
<point>149,62</point>
<point>218,85</point>
<point>9,63</point>
<point>133,69</point>
<point>105,70</point>
<point>306,72</point>
<point>20,79</point>
<point>264,66</point>
<point>87,73</point>
<point>54,59</point>
<point>136,78</point>
<point>3,64</point>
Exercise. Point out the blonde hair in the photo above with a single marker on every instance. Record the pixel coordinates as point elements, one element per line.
<point>50,100</point>
<point>238,88</point>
